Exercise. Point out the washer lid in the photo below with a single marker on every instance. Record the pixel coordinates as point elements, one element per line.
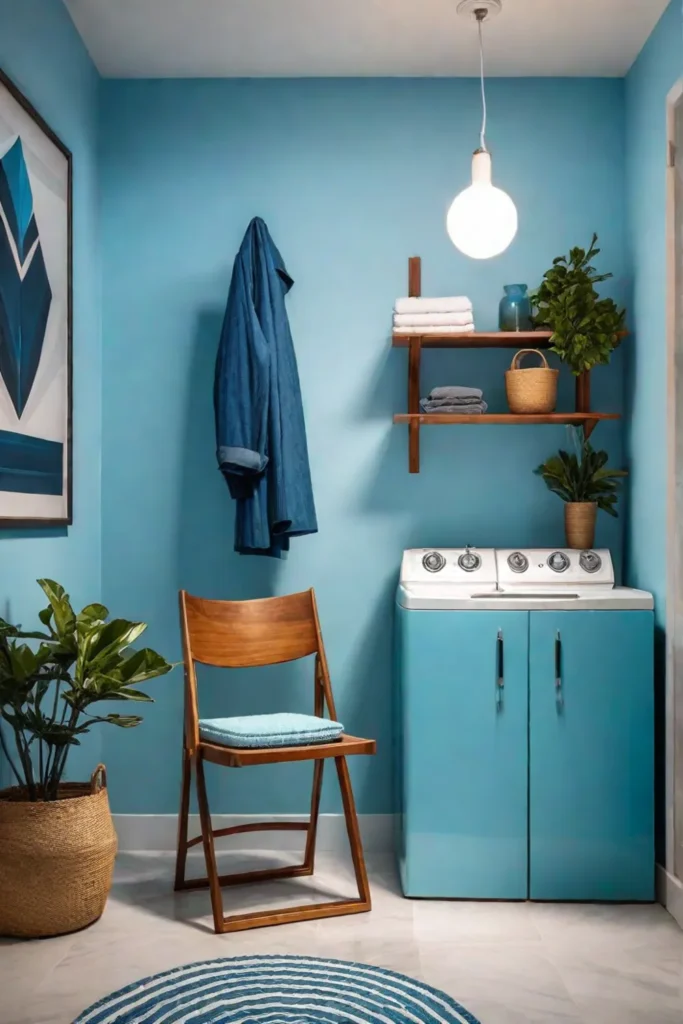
<point>446,597</point>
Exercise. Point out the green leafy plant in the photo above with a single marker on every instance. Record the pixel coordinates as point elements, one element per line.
<point>586,329</point>
<point>48,688</point>
<point>583,477</point>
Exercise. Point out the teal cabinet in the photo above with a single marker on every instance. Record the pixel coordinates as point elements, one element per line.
<point>591,756</point>
<point>541,787</point>
<point>463,726</point>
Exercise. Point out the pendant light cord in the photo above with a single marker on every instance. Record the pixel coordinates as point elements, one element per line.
<point>482,134</point>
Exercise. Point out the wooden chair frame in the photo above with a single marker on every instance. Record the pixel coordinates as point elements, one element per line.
<point>236,634</point>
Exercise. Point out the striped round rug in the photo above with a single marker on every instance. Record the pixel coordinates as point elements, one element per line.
<point>277,990</point>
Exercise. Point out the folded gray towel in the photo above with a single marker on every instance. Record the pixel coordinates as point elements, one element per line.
<point>463,410</point>
<point>455,391</point>
<point>464,402</point>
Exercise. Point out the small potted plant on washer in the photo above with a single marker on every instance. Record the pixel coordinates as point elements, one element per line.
<point>57,839</point>
<point>585,484</point>
<point>585,328</point>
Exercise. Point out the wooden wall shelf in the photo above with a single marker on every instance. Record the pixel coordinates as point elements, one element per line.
<point>583,416</point>
<point>576,419</point>
<point>490,339</point>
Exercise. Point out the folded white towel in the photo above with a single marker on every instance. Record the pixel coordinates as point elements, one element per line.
<point>432,319</point>
<point>453,304</point>
<point>445,329</point>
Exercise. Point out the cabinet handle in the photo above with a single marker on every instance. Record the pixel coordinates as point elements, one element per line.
<point>500,669</point>
<point>559,694</point>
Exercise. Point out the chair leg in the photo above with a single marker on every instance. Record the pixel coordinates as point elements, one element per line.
<point>312,834</point>
<point>209,849</point>
<point>353,830</point>
<point>214,881</point>
<point>181,850</point>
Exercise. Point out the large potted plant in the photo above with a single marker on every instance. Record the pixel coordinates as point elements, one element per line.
<point>57,839</point>
<point>585,328</point>
<point>585,484</point>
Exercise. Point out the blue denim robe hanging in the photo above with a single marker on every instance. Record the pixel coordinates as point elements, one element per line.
<point>260,429</point>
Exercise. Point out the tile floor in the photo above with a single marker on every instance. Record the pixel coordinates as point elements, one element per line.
<point>507,963</point>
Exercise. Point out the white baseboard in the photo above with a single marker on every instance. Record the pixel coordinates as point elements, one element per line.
<point>140,833</point>
<point>670,893</point>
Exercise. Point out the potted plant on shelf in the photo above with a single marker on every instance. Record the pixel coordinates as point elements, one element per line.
<point>57,839</point>
<point>585,328</point>
<point>585,484</point>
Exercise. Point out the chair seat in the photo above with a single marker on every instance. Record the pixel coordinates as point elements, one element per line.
<point>265,731</point>
<point>240,757</point>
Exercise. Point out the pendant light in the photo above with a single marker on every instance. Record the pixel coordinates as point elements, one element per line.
<point>482,220</point>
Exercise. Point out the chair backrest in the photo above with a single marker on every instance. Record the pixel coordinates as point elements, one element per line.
<point>244,634</point>
<point>241,634</point>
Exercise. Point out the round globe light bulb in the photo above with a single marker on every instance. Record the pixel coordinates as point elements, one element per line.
<point>482,220</point>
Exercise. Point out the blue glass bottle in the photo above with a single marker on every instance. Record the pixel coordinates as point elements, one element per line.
<point>515,309</point>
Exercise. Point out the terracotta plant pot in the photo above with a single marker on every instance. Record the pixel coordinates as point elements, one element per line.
<point>579,524</point>
<point>56,859</point>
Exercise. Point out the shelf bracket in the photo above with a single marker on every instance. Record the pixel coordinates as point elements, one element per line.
<point>414,446</point>
<point>414,277</point>
<point>588,428</point>
<point>583,401</point>
<point>414,359</point>
<point>583,392</point>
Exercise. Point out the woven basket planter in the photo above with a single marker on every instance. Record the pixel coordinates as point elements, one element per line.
<point>531,389</point>
<point>56,859</point>
<point>579,524</point>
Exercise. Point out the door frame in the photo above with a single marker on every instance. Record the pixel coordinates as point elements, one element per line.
<point>674,603</point>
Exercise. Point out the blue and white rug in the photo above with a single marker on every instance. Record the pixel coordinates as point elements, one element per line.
<point>277,990</point>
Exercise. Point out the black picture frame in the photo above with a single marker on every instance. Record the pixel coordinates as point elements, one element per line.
<point>7,522</point>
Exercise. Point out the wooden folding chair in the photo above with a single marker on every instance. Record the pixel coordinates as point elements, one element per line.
<point>239,634</point>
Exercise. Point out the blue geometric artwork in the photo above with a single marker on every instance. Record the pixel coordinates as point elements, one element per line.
<point>36,317</point>
<point>25,293</point>
<point>30,465</point>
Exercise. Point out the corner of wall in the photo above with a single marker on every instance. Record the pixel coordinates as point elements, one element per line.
<point>42,52</point>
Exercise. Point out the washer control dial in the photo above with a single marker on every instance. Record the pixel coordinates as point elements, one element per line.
<point>558,561</point>
<point>433,561</point>
<point>518,562</point>
<point>590,561</point>
<point>470,561</point>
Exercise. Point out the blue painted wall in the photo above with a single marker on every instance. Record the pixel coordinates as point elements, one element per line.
<point>352,177</point>
<point>42,52</point>
<point>658,68</point>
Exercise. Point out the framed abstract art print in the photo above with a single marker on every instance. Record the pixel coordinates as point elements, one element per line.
<point>35,317</point>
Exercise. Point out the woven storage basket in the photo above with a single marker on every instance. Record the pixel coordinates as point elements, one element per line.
<point>579,524</point>
<point>531,390</point>
<point>56,859</point>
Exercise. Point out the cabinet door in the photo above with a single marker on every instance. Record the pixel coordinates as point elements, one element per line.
<point>591,755</point>
<point>464,697</point>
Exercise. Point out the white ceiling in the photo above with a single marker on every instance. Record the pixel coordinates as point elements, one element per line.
<point>300,38</point>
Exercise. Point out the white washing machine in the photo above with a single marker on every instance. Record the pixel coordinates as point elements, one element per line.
<point>525,685</point>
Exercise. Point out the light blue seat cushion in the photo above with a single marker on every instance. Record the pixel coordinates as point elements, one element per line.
<point>280,730</point>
